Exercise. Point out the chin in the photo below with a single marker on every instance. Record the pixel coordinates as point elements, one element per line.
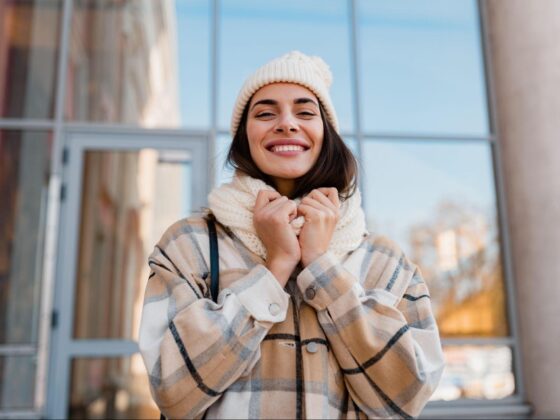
<point>293,174</point>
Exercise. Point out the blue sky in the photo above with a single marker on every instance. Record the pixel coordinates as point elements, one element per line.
<point>419,61</point>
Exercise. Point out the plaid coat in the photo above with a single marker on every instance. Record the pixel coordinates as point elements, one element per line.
<point>350,339</point>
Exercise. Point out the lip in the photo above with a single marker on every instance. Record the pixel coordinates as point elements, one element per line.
<point>287,142</point>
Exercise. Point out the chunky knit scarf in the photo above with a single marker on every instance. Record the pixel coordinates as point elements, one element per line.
<point>232,204</point>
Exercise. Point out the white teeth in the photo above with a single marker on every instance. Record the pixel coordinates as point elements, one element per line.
<point>287,148</point>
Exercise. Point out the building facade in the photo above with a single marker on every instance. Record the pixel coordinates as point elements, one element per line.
<point>114,119</point>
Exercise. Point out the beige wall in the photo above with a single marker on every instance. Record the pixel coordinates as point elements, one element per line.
<point>524,41</point>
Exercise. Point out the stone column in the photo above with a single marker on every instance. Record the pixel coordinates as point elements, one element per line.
<point>524,42</point>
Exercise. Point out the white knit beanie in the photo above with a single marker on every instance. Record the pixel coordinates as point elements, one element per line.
<point>294,67</point>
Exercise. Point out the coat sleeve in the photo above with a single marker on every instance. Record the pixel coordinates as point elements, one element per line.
<point>193,348</point>
<point>382,332</point>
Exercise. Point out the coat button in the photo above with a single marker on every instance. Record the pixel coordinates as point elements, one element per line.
<point>311,347</point>
<point>310,293</point>
<point>274,309</point>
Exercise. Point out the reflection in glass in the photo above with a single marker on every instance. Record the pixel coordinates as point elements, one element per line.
<point>17,382</point>
<point>139,62</point>
<point>437,201</point>
<point>128,200</point>
<point>115,388</point>
<point>29,34</point>
<point>352,144</point>
<point>193,61</point>
<point>223,173</point>
<point>24,177</point>
<point>315,27</point>
<point>421,67</point>
<point>476,372</point>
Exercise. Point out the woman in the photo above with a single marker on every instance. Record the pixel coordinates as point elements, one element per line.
<point>315,318</point>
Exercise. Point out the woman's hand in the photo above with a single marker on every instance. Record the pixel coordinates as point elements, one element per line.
<point>321,211</point>
<point>272,216</point>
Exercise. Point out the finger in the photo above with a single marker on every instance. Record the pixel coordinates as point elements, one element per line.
<point>309,201</point>
<point>272,213</point>
<point>324,203</point>
<point>275,205</point>
<point>282,213</point>
<point>323,199</point>
<point>280,210</point>
<point>288,207</point>
<point>293,216</point>
<point>309,212</point>
<point>323,212</point>
<point>264,197</point>
<point>332,195</point>
<point>314,214</point>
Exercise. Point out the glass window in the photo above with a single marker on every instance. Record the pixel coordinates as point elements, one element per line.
<point>352,144</point>
<point>140,62</point>
<point>268,30</point>
<point>437,201</point>
<point>223,173</point>
<point>110,388</point>
<point>421,67</point>
<point>129,198</point>
<point>476,372</point>
<point>17,382</point>
<point>24,177</point>
<point>29,36</point>
<point>193,35</point>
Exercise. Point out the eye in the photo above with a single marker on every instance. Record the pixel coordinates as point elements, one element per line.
<point>264,114</point>
<point>307,114</point>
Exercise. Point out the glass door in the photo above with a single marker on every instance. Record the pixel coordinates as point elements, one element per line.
<point>121,191</point>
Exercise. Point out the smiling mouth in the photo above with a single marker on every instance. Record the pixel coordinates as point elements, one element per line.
<point>287,148</point>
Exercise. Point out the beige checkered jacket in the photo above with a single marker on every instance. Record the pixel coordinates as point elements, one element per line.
<point>350,339</point>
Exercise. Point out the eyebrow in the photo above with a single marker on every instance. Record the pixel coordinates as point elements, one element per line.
<point>297,101</point>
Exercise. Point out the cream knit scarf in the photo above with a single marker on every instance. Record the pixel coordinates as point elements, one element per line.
<point>233,204</point>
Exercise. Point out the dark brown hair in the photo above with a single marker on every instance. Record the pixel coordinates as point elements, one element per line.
<point>335,167</point>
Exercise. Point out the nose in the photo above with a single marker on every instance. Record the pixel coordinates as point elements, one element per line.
<point>286,124</point>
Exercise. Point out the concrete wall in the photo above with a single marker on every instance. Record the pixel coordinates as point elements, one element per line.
<point>524,41</point>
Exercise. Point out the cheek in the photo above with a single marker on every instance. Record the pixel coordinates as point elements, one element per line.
<point>251,137</point>
<point>318,136</point>
<point>255,133</point>
<point>256,150</point>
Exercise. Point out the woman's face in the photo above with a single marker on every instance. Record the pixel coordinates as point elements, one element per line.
<point>285,132</point>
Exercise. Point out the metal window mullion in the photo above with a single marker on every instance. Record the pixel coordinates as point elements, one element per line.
<point>354,63</point>
<point>476,409</point>
<point>501,201</point>
<point>487,405</point>
<point>44,361</point>
<point>214,54</point>
<point>117,129</point>
<point>13,414</point>
<point>17,350</point>
<point>478,341</point>
<point>26,124</point>
<point>426,136</point>
<point>102,348</point>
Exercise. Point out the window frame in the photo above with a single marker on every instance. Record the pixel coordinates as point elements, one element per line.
<point>514,405</point>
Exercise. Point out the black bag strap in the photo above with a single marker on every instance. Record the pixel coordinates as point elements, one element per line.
<point>214,258</point>
<point>214,266</point>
